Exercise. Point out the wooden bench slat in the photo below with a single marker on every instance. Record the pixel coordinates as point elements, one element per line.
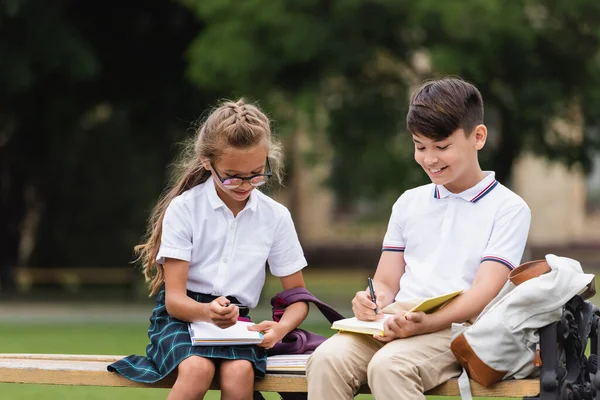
<point>69,357</point>
<point>90,370</point>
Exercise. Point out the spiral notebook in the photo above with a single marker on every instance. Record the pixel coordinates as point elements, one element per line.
<point>207,334</point>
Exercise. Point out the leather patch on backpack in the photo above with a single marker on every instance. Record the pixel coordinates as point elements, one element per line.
<point>479,371</point>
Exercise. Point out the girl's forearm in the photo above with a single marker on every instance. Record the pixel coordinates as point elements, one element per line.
<point>187,309</point>
<point>293,316</point>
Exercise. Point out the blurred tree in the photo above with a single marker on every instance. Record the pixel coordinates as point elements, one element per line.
<point>302,55</point>
<point>532,59</point>
<point>93,98</point>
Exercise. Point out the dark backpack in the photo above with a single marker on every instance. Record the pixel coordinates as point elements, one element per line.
<point>298,341</point>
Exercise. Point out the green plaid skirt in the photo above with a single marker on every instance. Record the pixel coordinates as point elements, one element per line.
<point>170,344</point>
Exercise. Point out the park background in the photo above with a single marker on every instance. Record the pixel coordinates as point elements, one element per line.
<point>96,96</point>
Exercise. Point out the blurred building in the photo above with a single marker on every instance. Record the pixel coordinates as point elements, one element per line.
<point>565,206</point>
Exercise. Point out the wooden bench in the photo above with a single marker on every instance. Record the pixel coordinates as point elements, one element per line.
<point>90,370</point>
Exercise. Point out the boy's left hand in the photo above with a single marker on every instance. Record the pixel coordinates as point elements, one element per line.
<point>403,326</point>
<point>272,333</point>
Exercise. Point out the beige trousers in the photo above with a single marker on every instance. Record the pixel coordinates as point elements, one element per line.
<point>399,370</point>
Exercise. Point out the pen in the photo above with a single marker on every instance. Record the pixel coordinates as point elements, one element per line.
<point>241,307</point>
<point>373,294</point>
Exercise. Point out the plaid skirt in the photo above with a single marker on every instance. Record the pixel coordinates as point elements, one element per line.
<point>170,344</point>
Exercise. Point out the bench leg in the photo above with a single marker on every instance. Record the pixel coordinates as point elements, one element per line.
<point>566,372</point>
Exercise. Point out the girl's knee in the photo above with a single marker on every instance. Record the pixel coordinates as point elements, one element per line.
<point>196,368</point>
<point>236,376</point>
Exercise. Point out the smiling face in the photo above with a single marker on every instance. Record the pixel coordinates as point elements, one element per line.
<point>452,161</point>
<point>235,162</point>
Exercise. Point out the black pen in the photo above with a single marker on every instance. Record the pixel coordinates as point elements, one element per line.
<point>373,295</point>
<point>241,307</point>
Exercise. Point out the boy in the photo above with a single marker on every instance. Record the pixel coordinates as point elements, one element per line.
<point>463,231</point>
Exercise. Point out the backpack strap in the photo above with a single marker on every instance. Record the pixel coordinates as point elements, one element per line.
<point>527,271</point>
<point>290,296</point>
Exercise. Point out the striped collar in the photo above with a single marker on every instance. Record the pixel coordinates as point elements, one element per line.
<point>473,194</point>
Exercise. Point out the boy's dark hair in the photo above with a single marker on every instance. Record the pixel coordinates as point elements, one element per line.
<point>439,107</point>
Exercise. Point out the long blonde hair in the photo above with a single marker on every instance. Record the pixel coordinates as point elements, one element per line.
<point>235,124</point>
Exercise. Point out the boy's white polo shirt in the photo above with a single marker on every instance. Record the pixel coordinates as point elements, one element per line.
<point>227,255</point>
<point>445,236</point>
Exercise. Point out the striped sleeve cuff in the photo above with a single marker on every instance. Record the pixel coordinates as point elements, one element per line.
<point>392,248</point>
<point>499,260</point>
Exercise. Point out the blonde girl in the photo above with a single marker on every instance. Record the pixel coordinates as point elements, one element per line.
<point>208,240</point>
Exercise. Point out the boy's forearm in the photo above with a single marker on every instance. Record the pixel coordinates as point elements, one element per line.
<point>490,278</point>
<point>385,292</point>
<point>293,316</point>
<point>463,308</point>
<point>386,281</point>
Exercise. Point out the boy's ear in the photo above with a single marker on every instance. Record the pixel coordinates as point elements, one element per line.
<point>480,136</point>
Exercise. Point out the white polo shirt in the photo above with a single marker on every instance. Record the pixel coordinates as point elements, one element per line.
<point>227,255</point>
<point>445,236</point>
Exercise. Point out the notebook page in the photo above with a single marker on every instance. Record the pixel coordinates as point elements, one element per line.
<point>355,323</point>
<point>208,331</point>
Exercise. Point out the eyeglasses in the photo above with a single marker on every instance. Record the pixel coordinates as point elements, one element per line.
<point>257,180</point>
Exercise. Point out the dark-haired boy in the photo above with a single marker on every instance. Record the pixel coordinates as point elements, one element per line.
<point>465,231</point>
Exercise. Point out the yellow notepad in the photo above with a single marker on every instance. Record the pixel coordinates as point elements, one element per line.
<point>432,304</point>
<point>377,327</point>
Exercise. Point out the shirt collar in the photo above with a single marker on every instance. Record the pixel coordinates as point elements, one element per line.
<point>211,192</point>
<point>473,194</point>
<point>216,202</point>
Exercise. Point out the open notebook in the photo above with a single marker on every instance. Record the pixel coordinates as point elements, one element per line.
<point>376,327</point>
<point>207,334</point>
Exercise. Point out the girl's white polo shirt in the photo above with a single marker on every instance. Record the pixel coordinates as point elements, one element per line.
<point>227,255</point>
<point>445,236</point>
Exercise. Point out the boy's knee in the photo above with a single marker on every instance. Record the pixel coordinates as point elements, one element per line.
<point>325,354</point>
<point>385,364</point>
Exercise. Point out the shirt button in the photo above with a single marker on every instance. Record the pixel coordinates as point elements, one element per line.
<point>225,260</point>
<point>233,226</point>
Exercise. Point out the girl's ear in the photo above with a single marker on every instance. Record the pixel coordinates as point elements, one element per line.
<point>205,164</point>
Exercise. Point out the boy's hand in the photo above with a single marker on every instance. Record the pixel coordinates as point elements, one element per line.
<point>221,314</point>
<point>401,326</point>
<point>364,308</point>
<point>272,333</point>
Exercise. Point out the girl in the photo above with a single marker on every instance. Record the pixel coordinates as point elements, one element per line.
<point>208,240</point>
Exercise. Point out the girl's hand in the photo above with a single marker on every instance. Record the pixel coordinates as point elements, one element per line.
<point>401,326</point>
<point>272,333</point>
<point>221,314</point>
<point>364,308</point>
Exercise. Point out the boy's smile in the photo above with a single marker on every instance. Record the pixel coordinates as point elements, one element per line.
<point>452,161</point>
